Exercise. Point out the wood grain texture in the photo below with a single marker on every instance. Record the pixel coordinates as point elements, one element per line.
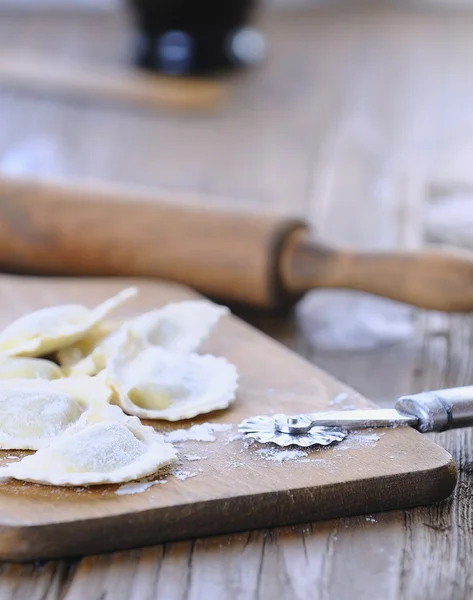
<point>238,488</point>
<point>381,113</point>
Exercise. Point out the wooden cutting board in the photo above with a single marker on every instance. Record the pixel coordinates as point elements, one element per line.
<point>232,486</point>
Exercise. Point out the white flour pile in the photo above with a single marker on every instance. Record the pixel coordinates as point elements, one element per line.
<point>204,432</point>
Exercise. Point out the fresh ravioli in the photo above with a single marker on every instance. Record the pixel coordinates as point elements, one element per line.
<point>29,368</point>
<point>179,327</point>
<point>108,447</point>
<point>70,357</point>
<point>50,329</point>
<point>157,384</point>
<point>33,411</point>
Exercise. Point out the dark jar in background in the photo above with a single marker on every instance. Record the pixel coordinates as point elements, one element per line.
<point>195,37</point>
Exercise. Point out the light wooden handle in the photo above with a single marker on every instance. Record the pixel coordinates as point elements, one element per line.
<point>434,278</point>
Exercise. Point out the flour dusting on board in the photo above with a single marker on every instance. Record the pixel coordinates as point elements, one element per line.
<point>233,438</point>
<point>137,487</point>
<point>183,475</point>
<point>339,402</point>
<point>339,320</point>
<point>276,455</point>
<point>356,440</point>
<point>204,432</point>
<point>360,439</point>
<point>338,399</point>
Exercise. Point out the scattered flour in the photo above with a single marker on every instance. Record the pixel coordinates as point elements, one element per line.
<point>360,439</point>
<point>204,432</point>
<point>354,441</point>
<point>339,402</point>
<point>233,464</point>
<point>234,438</point>
<point>340,320</point>
<point>137,487</point>
<point>182,475</point>
<point>339,398</point>
<point>275,455</point>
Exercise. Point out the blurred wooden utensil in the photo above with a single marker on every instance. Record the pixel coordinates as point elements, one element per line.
<point>263,259</point>
<point>78,81</point>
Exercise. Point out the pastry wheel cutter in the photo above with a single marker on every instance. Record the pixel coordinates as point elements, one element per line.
<point>438,410</point>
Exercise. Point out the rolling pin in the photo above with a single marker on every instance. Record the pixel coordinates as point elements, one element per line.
<point>266,260</point>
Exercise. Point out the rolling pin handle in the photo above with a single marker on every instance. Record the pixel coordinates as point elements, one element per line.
<point>435,278</point>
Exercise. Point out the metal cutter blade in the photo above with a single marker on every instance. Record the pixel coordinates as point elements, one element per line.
<point>437,410</point>
<point>323,428</point>
<point>264,429</point>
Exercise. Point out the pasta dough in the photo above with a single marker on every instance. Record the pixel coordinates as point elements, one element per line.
<point>157,384</point>
<point>35,411</point>
<point>76,422</point>
<point>49,329</point>
<point>29,368</point>
<point>70,356</point>
<point>179,327</point>
<point>113,449</point>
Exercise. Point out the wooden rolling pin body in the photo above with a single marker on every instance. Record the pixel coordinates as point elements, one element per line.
<point>247,257</point>
<point>54,228</point>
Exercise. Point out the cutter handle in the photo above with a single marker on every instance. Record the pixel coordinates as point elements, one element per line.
<point>439,410</point>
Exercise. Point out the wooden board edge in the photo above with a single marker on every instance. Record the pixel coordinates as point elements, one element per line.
<point>289,507</point>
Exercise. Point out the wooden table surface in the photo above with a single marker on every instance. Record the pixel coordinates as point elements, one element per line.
<point>362,120</point>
